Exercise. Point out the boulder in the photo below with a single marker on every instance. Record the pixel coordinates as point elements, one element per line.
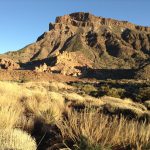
<point>9,64</point>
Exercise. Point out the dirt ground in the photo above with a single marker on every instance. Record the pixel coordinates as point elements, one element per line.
<point>27,75</point>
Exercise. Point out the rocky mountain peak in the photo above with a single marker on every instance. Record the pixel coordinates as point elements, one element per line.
<point>81,19</point>
<point>79,16</point>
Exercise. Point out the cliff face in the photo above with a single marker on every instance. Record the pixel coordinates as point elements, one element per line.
<point>107,43</point>
<point>89,20</point>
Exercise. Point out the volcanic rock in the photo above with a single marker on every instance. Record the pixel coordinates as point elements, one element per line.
<point>71,63</point>
<point>105,43</point>
<point>6,63</point>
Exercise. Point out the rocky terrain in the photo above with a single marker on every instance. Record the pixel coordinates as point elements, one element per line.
<point>9,64</point>
<point>106,44</point>
<point>83,85</point>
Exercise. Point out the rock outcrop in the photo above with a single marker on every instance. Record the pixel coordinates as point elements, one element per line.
<point>9,64</point>
<point>71,63</point>
<point>88,20</point>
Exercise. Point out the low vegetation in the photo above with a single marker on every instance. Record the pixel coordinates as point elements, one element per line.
<point>42,115</point>
<point>16,139</point>
<point>138,91</point>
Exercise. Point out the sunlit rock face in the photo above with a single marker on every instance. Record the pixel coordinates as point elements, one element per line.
<point>106,43</point>
<point>9,64</point>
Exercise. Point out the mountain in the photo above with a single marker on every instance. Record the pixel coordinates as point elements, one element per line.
<point>106,43</point>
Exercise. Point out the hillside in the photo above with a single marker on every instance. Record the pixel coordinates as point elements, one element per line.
<point>110,46</point>
<point>107,42</point>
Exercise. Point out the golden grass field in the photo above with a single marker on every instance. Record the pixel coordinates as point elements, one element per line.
<point>42,115</point>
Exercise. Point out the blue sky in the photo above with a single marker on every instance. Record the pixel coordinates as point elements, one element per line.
<point>22,21</point>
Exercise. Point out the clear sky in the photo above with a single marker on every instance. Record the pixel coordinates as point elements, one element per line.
<point>22,21</point>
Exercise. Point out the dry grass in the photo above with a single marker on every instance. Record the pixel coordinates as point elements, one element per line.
<point>15,139</point>
<point>147,104</point>
<point>9,116</point>
<point>22,104</point>
<point>108,132</point>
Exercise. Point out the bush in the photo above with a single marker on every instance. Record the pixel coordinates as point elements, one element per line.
<point>9,115</point>
<point>143,94</point>
<point>147,104</point>
<point>88,89</point>
<point>16,139</point>
<point>113,92</point>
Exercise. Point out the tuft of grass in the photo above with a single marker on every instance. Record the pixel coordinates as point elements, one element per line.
<point>147,104</point>
<point>88,89</point>
<point>9,116</point>
<point>104,131</point>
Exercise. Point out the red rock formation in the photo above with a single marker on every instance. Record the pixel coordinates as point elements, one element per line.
<point>88,20</point>
<point>71,63</point>
<point>107,43</point>
<point>9,64</point>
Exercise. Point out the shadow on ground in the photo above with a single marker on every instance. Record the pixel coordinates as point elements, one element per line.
<point>104,74</point>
